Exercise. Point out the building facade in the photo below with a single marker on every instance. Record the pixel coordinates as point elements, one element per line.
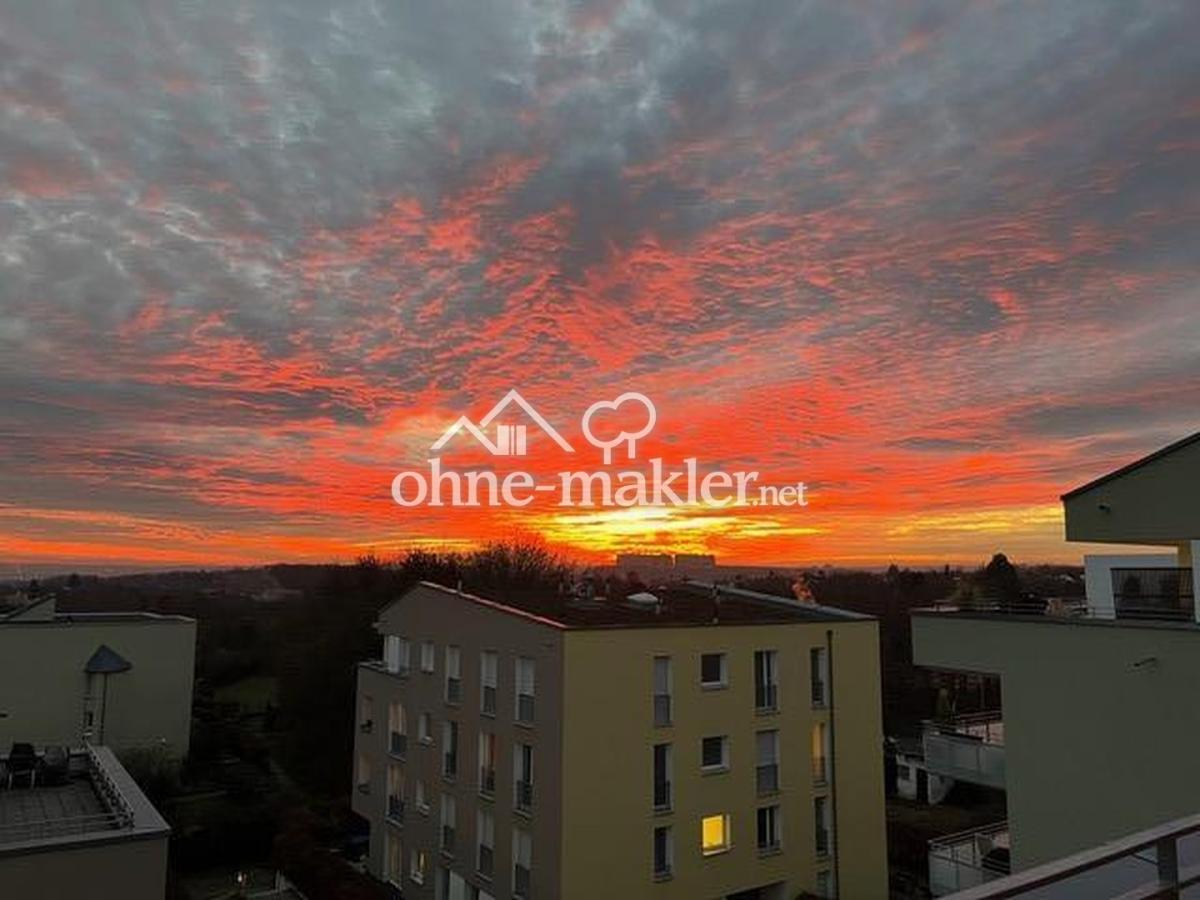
<point>1096,734</point>
<point>686,743</point>
<point>118,679</point>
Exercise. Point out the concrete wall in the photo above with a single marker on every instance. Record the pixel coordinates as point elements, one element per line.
<point>43,684</point>
<point>1155,503</point>
<point>1100,721</point>
<point>429,614</point>
<point>121,870</point>
<point>609,733</point>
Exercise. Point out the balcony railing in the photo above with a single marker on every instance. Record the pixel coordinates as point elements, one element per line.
<point>1143,865</point>
<point>662,710</point>
<point>968,748</point>
<point>662,794</point>
<point>1154,593</point>
<point>524,795</point>
<point>766,696</point>
<point>767,778</point>
<point>968,859</point>
<point>395,808</point>
<point>522,880</point>
<point>398,744</point>
<point>525,708</point>
<point>453,690</point>
<point>486,862</point>
<point>487,780</point>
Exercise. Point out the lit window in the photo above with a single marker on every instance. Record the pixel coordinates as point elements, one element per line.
<point>820,752</point>
<point>714,753</point>
<point>713,670</point>
<point>714,834</point>
<point>416,869</point>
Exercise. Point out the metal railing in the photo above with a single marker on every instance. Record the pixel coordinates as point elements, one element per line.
<point>522,879</point>
<point>1162,840</point>
<point>487,780</point>
<point>968,858</point>
<point>524,795</point>
<point>453,690</point>
<point>1154,593</point>
<point>767,778</point>
<point>117,813</point>
<point>488,700</point>
<point>766,696</point>
<point>662,710</point>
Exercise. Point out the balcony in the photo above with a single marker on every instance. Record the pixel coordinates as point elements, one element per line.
<point>968,859</point>
<point>1154,593</point>
<point>967,748</point>
<point>398,744</point>
<point>524,795</point>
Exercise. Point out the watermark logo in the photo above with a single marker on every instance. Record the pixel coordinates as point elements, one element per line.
<point>654,483</point>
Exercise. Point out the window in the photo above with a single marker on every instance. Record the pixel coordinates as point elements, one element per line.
<point>766,680</point>
<point>522,848</point>
<point>713,670</point>
<point>662,776</point>
<point>365,722</point>
<point>397,730</point>
<point>427,656</point>
<point>525,689</point>
<point>523,777</point>
<point>395,798</point>
<point>416,867</point>
<point>487,683</point>
<point>820,752</point>
<point>453,675</point>
<point>450,748</point>
<point>714,753</point>
<point>768,829</point>
<point>487,763</point>
<point>364,773</point>
<point>714,834</point>
<point>425,728</point>
<point>664,850</point>
<point>662,691</point>
<point>819,666</point>
<point>449,820</point>
<point>767,772</point>
<point>394,867</point>
<point>823,823</point>
<point>485,830</point>
<point>421,799</point>
<point>396,654</point>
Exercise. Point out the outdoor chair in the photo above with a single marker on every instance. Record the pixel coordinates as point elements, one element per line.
<point>22,761</point>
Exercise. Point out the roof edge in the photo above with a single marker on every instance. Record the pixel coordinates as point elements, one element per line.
<point>1129,467</point>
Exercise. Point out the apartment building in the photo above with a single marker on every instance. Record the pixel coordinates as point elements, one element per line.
<point>686,742</point>
<point>79,828</point>
<point>1097,731</point>
<point>118,679</point>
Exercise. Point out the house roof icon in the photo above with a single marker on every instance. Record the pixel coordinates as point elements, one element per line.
<point>510,440</point>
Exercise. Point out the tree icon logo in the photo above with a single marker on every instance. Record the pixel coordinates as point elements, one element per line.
<point>628,438</point>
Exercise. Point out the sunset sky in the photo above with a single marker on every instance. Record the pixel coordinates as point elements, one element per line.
<point>939,260</point>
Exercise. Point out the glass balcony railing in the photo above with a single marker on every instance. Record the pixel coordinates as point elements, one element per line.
<point>1154,593</point>
<point>967,748</point>
<point>968,859</point>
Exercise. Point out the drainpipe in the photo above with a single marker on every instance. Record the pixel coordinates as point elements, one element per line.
<point>837,836</point>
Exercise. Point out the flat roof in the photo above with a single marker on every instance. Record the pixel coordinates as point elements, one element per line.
<point>687,603</point>
<point>96,801</point>
<point>97,618</point>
